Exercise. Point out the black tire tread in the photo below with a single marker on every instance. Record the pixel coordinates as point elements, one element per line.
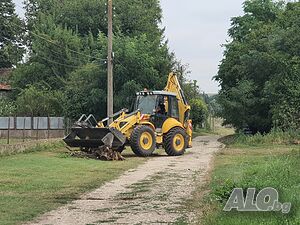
<point>134,141</point>
<point>168,141</point>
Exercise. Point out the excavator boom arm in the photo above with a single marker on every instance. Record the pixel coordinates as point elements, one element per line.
<point>173,85</point>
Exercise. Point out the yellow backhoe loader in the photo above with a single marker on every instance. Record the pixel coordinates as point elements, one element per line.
<point>160,118</point>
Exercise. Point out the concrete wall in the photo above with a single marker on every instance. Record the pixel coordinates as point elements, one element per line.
<point>26,146</point>
<point>41,134</point>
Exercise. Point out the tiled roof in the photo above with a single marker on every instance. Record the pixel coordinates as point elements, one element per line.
<point>5,87</point>
<point>4,74</point>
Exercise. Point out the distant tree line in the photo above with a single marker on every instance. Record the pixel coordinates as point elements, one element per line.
<point>66,43</point>
<point>260,72</point>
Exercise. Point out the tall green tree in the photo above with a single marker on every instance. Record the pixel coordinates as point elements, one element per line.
<point>260,67</point>
<point>138,64</point>
<point>38,100</point>
<point>55,52</point>
<point>199,112</point>
<point>131,17</point>
<point>85,92</point>
<point>283,90</point>
<point>11,50</point>
<point>70,49</point>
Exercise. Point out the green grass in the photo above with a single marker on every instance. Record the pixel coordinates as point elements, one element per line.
<point>221,131</point>
<point>33,146</point>
<point>200,132</point>
<point>218,129</point>
<point>247,165</point>
<point>275,137</point>
<point>36,182</point>
<point>13,140</point>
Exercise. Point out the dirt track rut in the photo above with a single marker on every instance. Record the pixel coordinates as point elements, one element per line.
<point>150,194</point>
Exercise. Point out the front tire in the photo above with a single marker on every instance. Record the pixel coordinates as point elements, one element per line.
<point>175,142</point>
<point>142,141</point>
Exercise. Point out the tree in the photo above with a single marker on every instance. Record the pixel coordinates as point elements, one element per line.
<point>138,64</point>
<point>131,17</point>
<point>11,50</point>
<point>39,101</point>
<point>199,112</point>
<point>55,52</point>
<point>260,66</point>
<point>85,92</point>
<point>7,107</point>
<point>69,50</point>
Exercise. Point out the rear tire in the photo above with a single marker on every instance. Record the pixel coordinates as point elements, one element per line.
<point>142,141</point>
<point>175,142</point>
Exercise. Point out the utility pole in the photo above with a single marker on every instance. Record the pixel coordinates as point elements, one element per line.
<point>110,99</point>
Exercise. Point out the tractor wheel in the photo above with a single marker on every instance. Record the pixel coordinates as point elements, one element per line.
<point>175,142</point>
<point>142,141</point>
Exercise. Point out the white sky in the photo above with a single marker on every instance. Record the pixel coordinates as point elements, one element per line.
<point>195,30</point>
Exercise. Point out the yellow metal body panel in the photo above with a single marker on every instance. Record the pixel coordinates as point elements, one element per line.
<point>174,86</point>
<point>189,131</point>
<point>159,138</point>
<point>147,124</point>
<point>126,123</point>
<point>169,124</point>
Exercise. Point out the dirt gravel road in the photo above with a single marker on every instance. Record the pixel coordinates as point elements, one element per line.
<point>150,194</point>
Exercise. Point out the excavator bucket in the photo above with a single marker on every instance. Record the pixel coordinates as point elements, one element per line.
<point>95,138</point>
<point>86,135</point>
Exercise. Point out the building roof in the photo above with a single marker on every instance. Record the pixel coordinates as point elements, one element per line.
<point>5,87</point>
<point>4,74</point>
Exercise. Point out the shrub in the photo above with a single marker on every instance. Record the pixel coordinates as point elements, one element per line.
<point>199,112</point>
<point>276,136</point>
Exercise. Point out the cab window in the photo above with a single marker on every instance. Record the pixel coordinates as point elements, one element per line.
<point>173,107</point>
<point>146,103</point>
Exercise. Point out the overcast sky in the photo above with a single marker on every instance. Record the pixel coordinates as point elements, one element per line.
<point>195,30</point>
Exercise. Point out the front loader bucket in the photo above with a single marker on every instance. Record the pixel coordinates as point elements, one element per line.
<point>95,137</point>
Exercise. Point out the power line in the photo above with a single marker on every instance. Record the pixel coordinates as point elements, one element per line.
<point>60,58</point>
<point>61,64</point>
<point>119,62</point>
<point>54,43</point>
<point>58,63</point>
<point>49,40</point>
<point>57,54</point>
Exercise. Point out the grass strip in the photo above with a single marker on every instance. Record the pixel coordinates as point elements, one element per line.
<point>36,182</point>
<point>250,166</point>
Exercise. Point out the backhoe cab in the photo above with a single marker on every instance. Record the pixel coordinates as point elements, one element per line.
<point>160,118</point>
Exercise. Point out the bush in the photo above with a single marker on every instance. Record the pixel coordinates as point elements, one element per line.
<point>199,112</point>
<point>39,101</point>
<point>7,107</point>
<point>276,136</point>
